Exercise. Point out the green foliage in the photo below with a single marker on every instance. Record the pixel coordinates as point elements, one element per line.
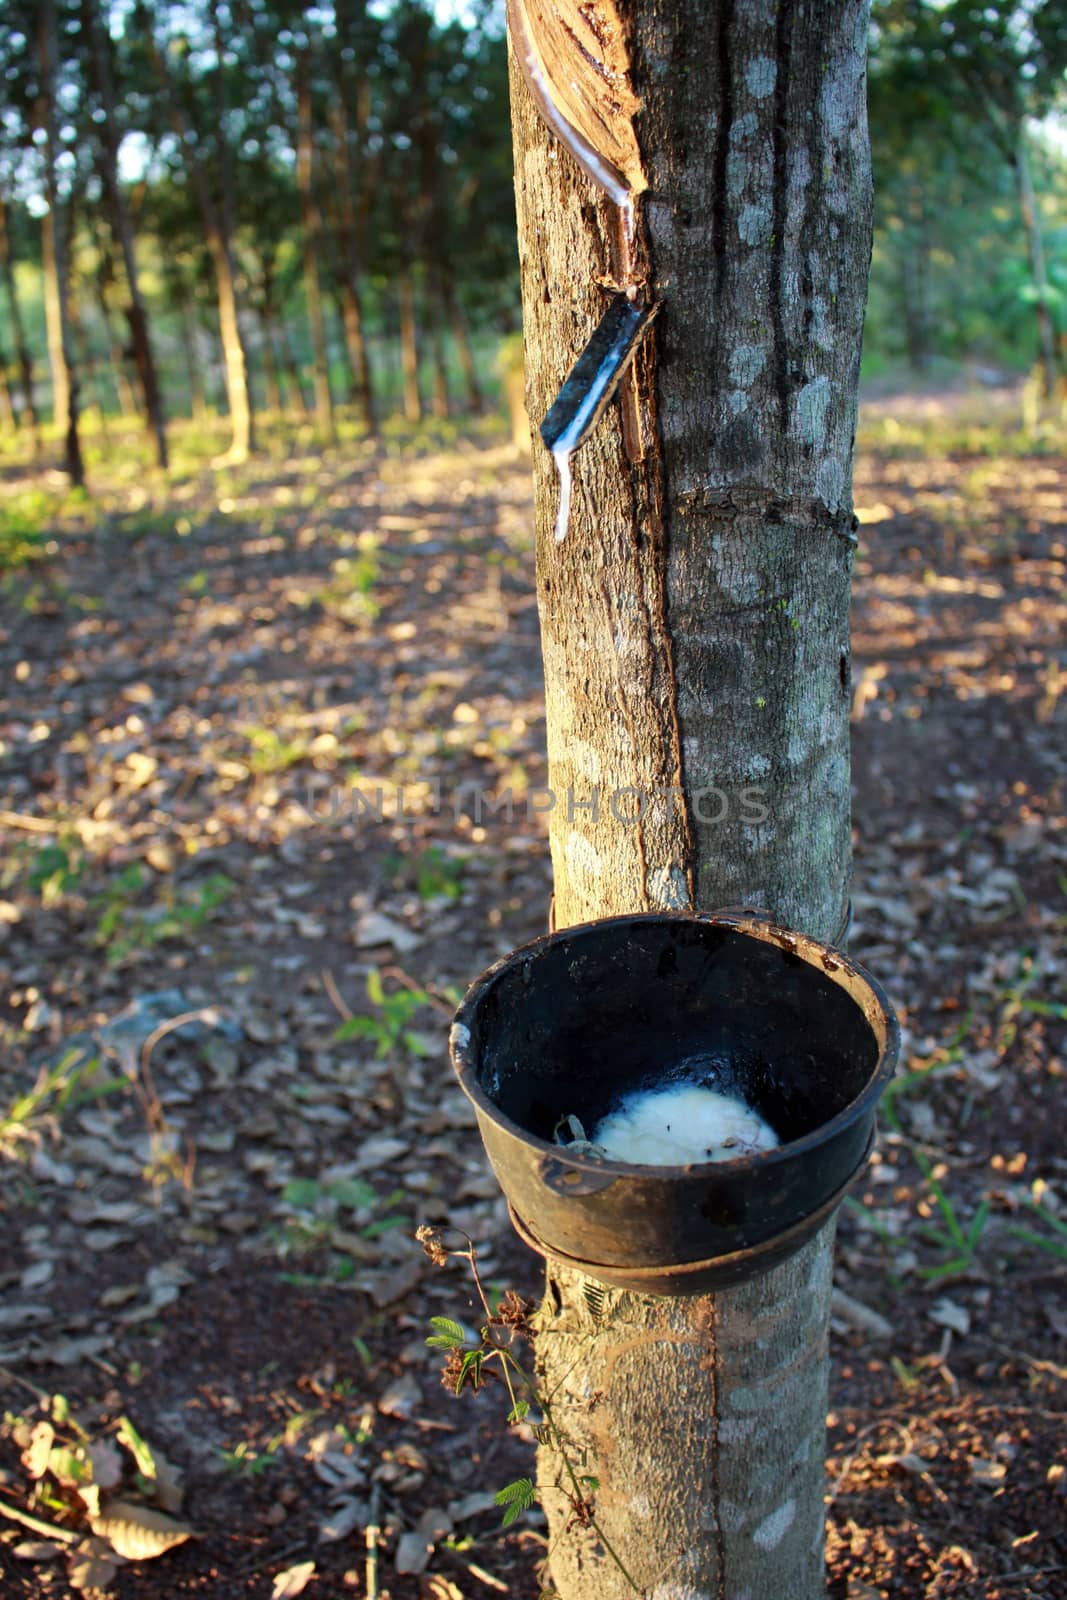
<point>517,1497</point>
<point>272,752</point>
<point>348,595</point>
<point>439,875</point>
<point>315,1213</point>
<point>388,1027</point>
<point>75,1080</point>
<point>55,869</point>
<point>447,1335</point>
<point>124,929</point>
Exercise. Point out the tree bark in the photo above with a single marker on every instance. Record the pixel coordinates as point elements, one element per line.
<point>22,350</point>
<point>54,250</point>
<point>694,627</point>
<point>1046,337</point>
<point>305,148</point>
<point>122,229</point>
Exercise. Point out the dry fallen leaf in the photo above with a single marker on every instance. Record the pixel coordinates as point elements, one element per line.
<point>37,1550</point>
<point>435,1586</point>
<point>35,1456</point>
<point>139,1533</point>
<point>293,1581</point>
<point>990,1474</point>
<point>93,1564</point>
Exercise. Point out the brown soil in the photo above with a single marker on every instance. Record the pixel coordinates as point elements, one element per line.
<point>190,693</point>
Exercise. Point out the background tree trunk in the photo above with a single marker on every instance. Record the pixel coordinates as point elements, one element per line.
<point>457,327</point>
<point>1046,338</point>
<point>7,405</point>
<point>18,330</point>
<point>915,274</point>
<point>122,227</point>
<point>54,249</point>
<point>218,235</point>
<point>409,345</point>
<point>694,627</point>
<point>349,240</point>
<point>305,148</point>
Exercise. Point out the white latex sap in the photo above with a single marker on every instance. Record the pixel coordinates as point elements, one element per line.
<point>679,1124</point>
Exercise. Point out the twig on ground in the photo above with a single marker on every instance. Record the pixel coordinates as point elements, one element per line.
<point>373,1535</point>
<point>335,997</point>
<point>17,819</point>
<point>48,1529</point>
<point>859,1316</point>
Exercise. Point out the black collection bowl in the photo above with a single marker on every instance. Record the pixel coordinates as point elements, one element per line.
<point>567,1025</point>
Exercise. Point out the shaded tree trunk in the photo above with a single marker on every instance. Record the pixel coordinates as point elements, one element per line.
<point>309,210</point>
<point>409,345</point>
<point>457,327</point>
<point>7,405</point>
<point>915,273</point>
<point>694,626</point>
<point>1046,338</point>
<point>289,364</point>
<point>218,237</point>
<point>88,366</point>
<point>122,228</point>
<point>349,254</point>
<point>270,367</point>
<point>23,358</point>
<point>124,394</point>
<point>54,251</point>
<point>187,329</point>
<point>439,394</point>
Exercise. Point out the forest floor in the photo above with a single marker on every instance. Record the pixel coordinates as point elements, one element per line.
<point>212,1309</point>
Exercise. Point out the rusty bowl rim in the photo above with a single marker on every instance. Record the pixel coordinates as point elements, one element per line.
<point>877,1010</point>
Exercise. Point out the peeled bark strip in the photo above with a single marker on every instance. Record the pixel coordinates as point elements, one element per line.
<point>695,636</point>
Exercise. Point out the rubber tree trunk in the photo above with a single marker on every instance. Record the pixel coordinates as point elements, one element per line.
<point>18,330</point>
<point>122,227</point>
<point>312,228</point>
<point>54,253</point>
<point>234,355</point>
<point>694,625</point>
<point>1046,338</point>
